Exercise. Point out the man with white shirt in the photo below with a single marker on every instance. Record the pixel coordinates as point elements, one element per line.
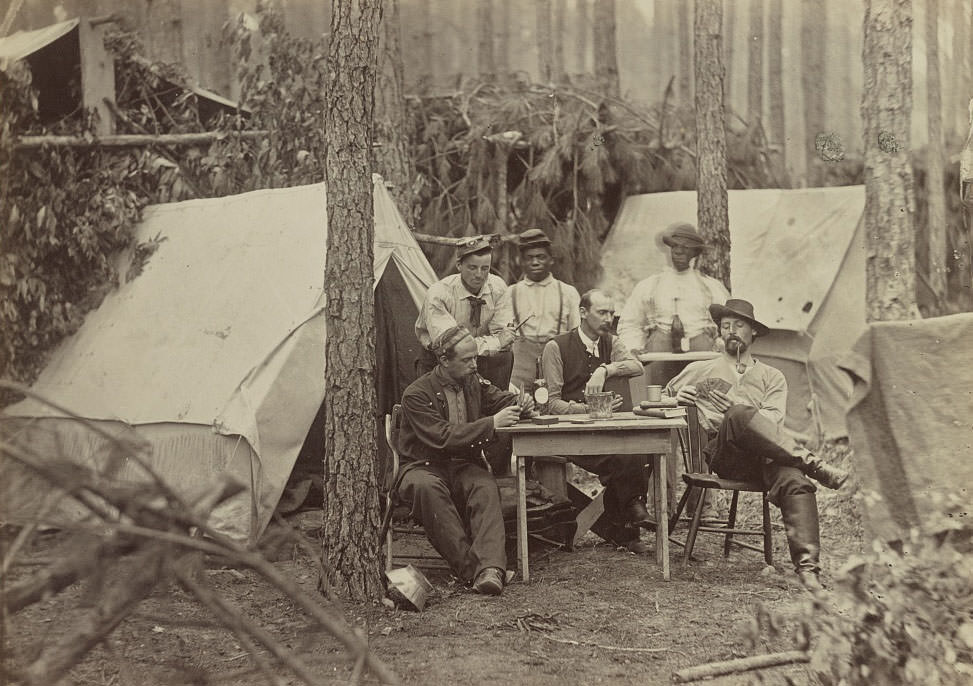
<point>543,305</point>
<point>645,323</point>
<point>744,424</point>
<point>476,300</point>
<point>580,361</point>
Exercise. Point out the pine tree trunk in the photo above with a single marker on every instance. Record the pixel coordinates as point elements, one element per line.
<point>557,62</point>
<point>712,209</point>
<point>485,62</point>
<point>502,29</point>
<point>545,41</point>
<point>775,83</point>
<point>814,39</point>
<point>392,157</point>
<point>582,20</point>
<point>755,72</point>
<point>351,513</point>
<point>684,80</point>
<point>962,70</point>
<point>606,53</point>
<point>890,275</point>
<point>935,156</point>
<point>427,69</point>
<point>729,21</point>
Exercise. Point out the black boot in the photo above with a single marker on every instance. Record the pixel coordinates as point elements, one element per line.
<point>765,436</point>
<point>800,515</point>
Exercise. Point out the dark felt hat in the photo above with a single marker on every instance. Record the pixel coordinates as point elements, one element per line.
<point>682,233</point>
<point>738,308</point>
<point>533,238</point>
<point>472,245</point>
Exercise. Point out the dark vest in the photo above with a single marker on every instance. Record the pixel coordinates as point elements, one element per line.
<point>578,363</point>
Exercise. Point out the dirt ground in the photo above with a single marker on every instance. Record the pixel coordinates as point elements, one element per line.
<point>597,615</point>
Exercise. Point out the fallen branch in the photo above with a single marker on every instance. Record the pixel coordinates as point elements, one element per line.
<point>133,140</point>
<point>623,649</point>
<point>456,242</point>
<point>743,664</point>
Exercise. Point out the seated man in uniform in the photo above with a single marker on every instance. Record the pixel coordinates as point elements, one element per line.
<point>744,422</point>
<point>448,416</point>
<point>580,361</point>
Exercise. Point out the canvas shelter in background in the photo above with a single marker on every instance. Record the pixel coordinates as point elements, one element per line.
<point>215,352</point>
<point>798,256</point>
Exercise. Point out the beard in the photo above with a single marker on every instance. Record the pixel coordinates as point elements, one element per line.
<point>735,346</point>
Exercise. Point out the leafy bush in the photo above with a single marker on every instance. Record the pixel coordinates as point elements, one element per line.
<point>902,614</point>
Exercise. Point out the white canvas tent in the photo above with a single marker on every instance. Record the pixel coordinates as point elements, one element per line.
<point>798,256</point>
<point>215,352</point>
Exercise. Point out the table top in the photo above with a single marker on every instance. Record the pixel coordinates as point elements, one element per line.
<point>620,421</point>
<point>691,356</point>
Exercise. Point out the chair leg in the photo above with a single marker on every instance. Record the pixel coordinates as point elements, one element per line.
<point>694,527</point>
<point>674,519</point>
<point>730,523</point>
<point>768,536</point>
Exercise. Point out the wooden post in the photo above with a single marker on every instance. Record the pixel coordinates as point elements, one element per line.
<point>97,75</point>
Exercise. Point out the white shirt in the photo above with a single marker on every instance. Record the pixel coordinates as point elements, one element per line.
<point>591,345</point>
<point>553,304</point>
<point>446,306</point>
<point>655,300</point>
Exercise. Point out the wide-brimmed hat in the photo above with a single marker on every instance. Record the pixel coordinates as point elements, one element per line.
<point>533,238</point>
<point>741,309</point>
<point>472,245</point>
<point>683,233</point>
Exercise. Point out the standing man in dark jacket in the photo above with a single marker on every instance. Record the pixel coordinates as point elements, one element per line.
<point>580,361</point>
<point>449,415</point>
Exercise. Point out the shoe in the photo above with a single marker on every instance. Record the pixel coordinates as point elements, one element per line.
<point>826,475</point>
<point>637,515</point>
<point>763,436</point>
<point>637,547</point>
<point>489,581</point>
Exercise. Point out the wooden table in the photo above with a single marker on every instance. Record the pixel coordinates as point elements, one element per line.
<point>624,434</point>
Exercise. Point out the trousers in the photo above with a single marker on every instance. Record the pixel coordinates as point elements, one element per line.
<point>737,452</point>
<point>458,504</point>
<point>625,477</point>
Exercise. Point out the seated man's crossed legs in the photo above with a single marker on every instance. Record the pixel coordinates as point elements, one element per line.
<point>458,504</point>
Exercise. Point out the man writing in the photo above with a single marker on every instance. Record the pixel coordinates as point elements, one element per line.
<point>741,405</point>
<point>449,415</point>
<point>581,361</point>
<point>543,306</point>
<point>477,300</point>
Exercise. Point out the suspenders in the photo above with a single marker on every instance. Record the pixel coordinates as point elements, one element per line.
<point>560,306</point>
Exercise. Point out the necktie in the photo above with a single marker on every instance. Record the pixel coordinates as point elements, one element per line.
<point>476,305</point>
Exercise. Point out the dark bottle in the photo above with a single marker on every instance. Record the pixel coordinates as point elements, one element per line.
<point>541,394</point>
<point>678,331</point>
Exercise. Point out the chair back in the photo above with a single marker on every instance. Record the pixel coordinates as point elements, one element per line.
<point>393,425</point>
<point>693,439</point>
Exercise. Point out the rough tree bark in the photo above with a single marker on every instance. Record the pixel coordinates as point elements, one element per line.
<point>606,52</point>
<point>935,157</point>
<point>351,512</point>
<point>557,51</point>
<point>890,275</point>
<point>684,80</point>
<point>485,62</point>
<point>502,28</point>
<point>427,69</point>
<point>775,84</point>
<point>814,40</point>
<point>545,41</point>
<point>755,70</point>
<point>392,158</point>
<point>712,210</point>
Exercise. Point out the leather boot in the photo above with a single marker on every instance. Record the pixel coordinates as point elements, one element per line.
<point>765,437</point>
<point>800,515</point>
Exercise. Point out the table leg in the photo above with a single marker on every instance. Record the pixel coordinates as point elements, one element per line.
<point>520,465</point>
<point>661,498</point>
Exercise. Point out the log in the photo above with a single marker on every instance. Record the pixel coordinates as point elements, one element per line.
<point>133,140</point>
<point>743,664</point>
<point>456,242</point>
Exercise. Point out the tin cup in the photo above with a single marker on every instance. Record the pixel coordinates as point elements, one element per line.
<point>654,393</point>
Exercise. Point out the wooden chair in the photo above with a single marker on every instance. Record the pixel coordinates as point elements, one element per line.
<point>396,520</point>
<point>699,480</point>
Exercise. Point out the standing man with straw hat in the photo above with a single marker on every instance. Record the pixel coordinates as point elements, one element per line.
<point>543,306</point>
<point>681,296</point>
